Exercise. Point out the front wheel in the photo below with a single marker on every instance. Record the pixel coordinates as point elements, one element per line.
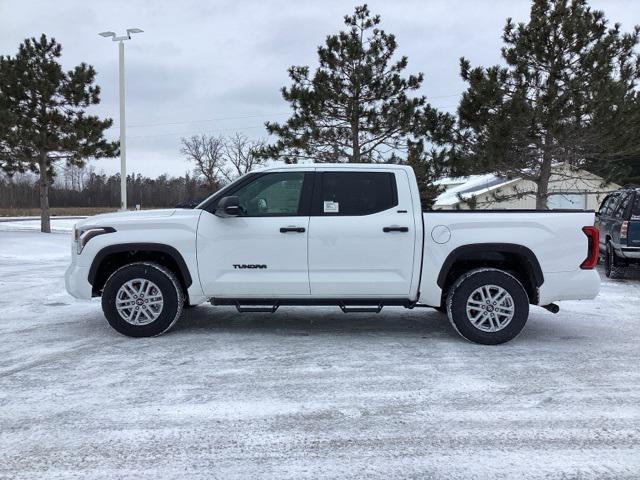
<point>142,299</point>
<point>488,306</point>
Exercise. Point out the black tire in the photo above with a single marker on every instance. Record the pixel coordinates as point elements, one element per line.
<point>612,264</point>
<point>462,291</point>
<point>164,280</point>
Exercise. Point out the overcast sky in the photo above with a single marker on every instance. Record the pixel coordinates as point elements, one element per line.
<point>217,66</point>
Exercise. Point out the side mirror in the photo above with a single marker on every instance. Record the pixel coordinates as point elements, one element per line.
<point>228,207</point>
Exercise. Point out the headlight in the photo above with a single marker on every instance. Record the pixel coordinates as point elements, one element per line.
<point>82,235</point>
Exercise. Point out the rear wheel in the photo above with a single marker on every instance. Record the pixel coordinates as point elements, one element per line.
<point>612,264</point>
<point>142,299</point>
<point>488,306</point>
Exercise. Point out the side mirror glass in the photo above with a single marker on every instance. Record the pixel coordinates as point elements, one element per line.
<point>228,207</point>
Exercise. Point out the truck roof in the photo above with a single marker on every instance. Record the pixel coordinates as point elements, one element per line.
<point>364,166</point>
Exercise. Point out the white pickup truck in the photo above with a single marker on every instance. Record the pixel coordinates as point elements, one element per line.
<point>352,236</point>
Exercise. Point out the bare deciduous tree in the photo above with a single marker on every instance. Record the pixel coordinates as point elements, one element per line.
<point>222,159</point>
<point>207,153</point>
<point>71,177</point>
<point>241,156</point>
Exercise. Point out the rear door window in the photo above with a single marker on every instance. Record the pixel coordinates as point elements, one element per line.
<point>355,193</point>
<point>623,204</point>
<point>611,204</point>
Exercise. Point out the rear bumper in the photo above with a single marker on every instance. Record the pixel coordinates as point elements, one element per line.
<point>77,283</point>
<point>576,285</point>
<point>630,252</point>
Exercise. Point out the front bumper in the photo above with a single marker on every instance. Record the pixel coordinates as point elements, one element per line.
<point>77,283</point>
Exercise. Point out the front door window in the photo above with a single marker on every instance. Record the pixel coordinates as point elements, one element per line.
<point>273,194</point>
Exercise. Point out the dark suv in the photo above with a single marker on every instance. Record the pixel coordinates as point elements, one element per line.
<point>619,222</point>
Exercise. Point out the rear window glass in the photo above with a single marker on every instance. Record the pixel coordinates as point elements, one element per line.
<point>357,193</point>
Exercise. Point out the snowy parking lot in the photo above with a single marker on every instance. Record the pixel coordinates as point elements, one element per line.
<point>308,393</point>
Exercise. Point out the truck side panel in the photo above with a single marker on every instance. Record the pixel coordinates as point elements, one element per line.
<point>556,239</point>
<point>175,229</point>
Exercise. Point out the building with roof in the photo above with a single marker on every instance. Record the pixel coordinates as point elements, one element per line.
<point>569,188</point>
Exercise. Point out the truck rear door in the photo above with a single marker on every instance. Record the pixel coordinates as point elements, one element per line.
<point>618,218</point>
<point>361,234</point>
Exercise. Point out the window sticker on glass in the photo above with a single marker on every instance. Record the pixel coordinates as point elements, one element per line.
<point>331,207</point>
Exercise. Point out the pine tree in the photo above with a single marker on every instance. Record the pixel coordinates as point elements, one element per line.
<point>615,154</point>
<point>567,95</point>
<point>357,106</point>
<point>43,118</point>
<point>430,163</point>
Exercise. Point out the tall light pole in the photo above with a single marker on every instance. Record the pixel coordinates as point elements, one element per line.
<point>123,133</point>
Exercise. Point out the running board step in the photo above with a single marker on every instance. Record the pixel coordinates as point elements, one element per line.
<point>361,309</point>
<point>257,308</point>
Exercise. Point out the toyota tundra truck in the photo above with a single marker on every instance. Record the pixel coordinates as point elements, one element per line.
<point>351,236</point>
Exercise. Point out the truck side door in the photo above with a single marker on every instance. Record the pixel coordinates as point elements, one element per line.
<point>263,251</point>
<point>361,234</point>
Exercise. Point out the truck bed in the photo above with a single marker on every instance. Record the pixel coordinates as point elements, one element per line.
<point>554,237</point>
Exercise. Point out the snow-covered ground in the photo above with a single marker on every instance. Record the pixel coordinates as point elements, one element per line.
<point>308,393</point>
<point>32,224</point>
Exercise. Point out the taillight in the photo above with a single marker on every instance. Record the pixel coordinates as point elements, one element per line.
<point>593,249</point>
<point>624,228</point>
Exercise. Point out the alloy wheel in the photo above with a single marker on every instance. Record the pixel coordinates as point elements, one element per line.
<point>139,301</point>
<point>490,308</point>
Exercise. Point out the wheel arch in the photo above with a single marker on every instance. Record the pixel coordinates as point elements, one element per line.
<point>112,257</point>
<point>516,259</point>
